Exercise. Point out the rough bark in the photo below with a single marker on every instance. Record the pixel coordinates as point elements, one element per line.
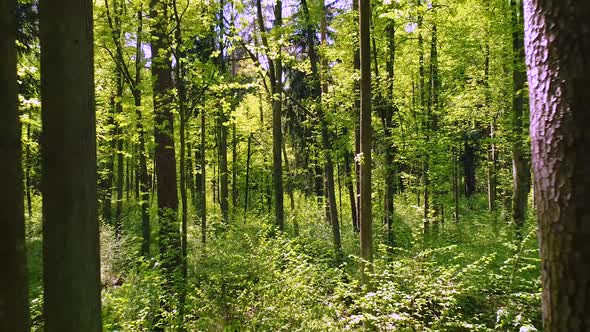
<point>71,261</point>
<point>558,59</point>
<point>164,138</point>
<point>14,303</point>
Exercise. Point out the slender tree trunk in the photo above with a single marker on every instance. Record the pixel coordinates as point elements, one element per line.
<point>357,132</point>
<point>247,190</point>
<point>456,183</point>
<point>28,170</point>
<point>558,50</point>
<point>234,168</point>
<point>14,302</point>
<point>71,273</point>
<point>469,167</point>
<point>181,92</point>
<point>120,155</point>
<point>107,209</point>
<point>203,178</point>
<point>277,134</point>
<point>520,161</point>
<point>387,120</point>
<point>142,173</point>
<point>350,189</point>
<point>366,215</point>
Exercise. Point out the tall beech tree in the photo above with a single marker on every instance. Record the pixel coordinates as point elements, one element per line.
<point>71,262</point>
<point>558,59</point>
<point>167,189</point>
<point>14,303</point>
<point>366,135</point>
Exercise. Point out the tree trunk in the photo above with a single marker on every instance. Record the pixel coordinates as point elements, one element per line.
<point>203,182</point>
<point>14,302</point>
<point>387,128</point>
<point>366,215</point>
<point>277,134</point>
<point>331,208</point>
<point>350,189</point>
<point>357,109</point>
<point>520,162</point>
<point>167,191</point>
<point>558,49</point>
<point>107,208</point>
<point>142,174</point>
<point>28,170</point>
<point>71,260</point>
<point>247,186</point>
<point>120,155</point>
<point>182,114</point>
<point>456,183</point>
<point>469,167</point>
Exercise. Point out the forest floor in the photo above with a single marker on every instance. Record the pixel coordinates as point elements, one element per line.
<point>474,275</point>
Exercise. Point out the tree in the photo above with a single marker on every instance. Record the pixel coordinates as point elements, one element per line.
<point>14,303</point>
<point>71,262</point>
<point>557,38</point>
<point>520,161</point>
<point>164,137</point>
<point>365,214</point>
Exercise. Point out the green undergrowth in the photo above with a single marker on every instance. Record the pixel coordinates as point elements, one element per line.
<point>474,275</point>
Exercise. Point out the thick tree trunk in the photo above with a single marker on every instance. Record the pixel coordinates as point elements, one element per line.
<point>521,172</point>
<point>170,249</point>
<point>366,214</point>
<point>14,302</point>
<point>558,59</point>
<point>71,261</point>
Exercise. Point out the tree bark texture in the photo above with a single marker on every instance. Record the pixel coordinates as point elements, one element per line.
<point>558,58</point>
<point>71,261</point>
<point>164,137</point>
<point>14,302</point>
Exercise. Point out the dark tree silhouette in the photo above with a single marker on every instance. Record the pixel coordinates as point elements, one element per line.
<point>71,262</point>
<point>14,305</point>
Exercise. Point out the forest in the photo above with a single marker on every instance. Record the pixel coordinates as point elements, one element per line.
<point>294,165</point>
